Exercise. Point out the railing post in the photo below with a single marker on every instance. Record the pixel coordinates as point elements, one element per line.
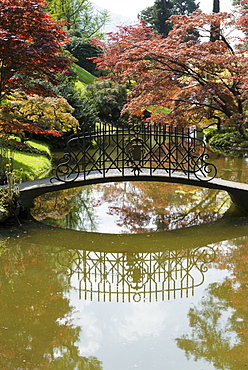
<point>153,148</point>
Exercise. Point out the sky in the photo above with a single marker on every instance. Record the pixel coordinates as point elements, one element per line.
<point>130,8</point>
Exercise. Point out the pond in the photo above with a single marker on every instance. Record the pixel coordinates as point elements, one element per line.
<point>124,276</point>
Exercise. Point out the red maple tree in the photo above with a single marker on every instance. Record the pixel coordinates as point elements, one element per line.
<point>31,47</point>
<point>198,80</point>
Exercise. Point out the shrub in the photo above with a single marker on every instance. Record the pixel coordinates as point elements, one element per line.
<point>226,140</point>
<point>109,98</point>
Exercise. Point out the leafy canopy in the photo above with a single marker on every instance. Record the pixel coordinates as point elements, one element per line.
<point>157,15</point>
<point>197,81</point>
<point>37,114</point>
<point>80,15</point>
<point>31,46</point>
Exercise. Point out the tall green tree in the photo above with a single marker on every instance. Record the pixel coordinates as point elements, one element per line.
<point>82,50</point>
<point>157,15</point>
<point>69,10</point>
<point>79,15</point>
<point>216,6</point>
<point>83,22</point>
<point>215,28</point>
<point>109,97</point>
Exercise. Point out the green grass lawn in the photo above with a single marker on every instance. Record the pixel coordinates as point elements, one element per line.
<point>84,76</point>
<point>30,166</point>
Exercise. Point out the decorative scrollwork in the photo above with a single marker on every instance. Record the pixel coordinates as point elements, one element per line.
<point>202,257</point>
<point>67,170</point>
<point>108,147</point>
<point>204,170</point>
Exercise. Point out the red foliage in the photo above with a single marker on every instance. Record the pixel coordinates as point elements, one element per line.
<point>192,76</point>
<point>243,20</point>
<point>17,126</point>
<point>30,46</point>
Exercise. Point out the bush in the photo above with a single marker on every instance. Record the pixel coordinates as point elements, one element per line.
<point>82,50</point>
<point>226,140</point>
<point>85,110</point>
<point>209,132</point>
<point>109,98</point>
<point>8,204</point>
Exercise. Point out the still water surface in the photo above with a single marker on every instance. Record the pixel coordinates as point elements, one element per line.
<point>134,276</point>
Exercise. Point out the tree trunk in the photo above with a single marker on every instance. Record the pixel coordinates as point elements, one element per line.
<point>215,28</point>
<point>216,6</point>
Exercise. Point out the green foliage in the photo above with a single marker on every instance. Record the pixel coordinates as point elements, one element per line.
<point>93,21</point>
<point>82,50</point>
<point>85,110</point>
<point>69,10</point>
<point>109,98</point>
<point>8,203</point>
<point>3,203</point>
<point>157,14</point>
<point>226,140</point>
<point>209,132</point>
<point>79,15</point>
<point>37,114</point>
<point>5,161</point>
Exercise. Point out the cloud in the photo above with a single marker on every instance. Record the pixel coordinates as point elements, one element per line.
<point>144,320</point>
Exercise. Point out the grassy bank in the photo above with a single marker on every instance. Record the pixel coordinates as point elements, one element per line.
<point>25,166</point>
<point>84,76</point>
<point>30,166</point>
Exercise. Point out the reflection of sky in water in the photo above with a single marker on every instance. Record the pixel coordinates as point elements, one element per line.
<point>143,334</point>
<point>105,220</point>
<point>139,335</point>
<point>118,208</point>
<point>106,223</point>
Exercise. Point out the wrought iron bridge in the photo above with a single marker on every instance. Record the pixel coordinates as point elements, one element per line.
<point>139,148</point>
<point>107,153</point>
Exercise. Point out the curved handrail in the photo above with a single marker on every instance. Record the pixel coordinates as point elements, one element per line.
<point>106,147</point>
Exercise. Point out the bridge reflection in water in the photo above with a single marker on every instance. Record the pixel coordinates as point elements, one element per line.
<point>126,277</point>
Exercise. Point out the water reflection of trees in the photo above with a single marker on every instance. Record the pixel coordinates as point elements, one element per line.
<point>219,323</point>
<point>70,208</point>
<point>136,206</point>
<point>35,316</point>
<point>148,205</point>
<point>35,322</point>
<point>233,167</point>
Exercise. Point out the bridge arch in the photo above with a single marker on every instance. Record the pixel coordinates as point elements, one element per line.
<point>109,153</point>
<point>32,189</point>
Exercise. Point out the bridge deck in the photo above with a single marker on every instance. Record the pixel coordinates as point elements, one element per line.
<point>32,189</point>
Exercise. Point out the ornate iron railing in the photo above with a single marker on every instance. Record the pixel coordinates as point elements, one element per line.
<point>126,277</point>
<point>134,149</point>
